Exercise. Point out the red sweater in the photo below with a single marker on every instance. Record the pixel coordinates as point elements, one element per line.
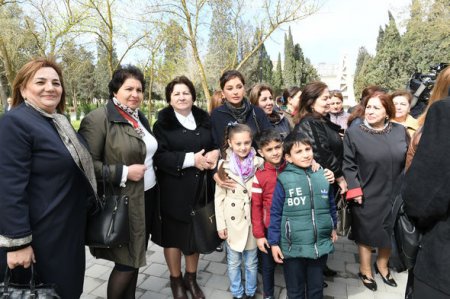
<point>264,183</point>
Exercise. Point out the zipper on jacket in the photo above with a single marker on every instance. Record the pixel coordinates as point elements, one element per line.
<point>287,229</point>
<point>311,198</point>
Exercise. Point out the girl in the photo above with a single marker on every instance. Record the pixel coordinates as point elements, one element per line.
<point>233,208</point>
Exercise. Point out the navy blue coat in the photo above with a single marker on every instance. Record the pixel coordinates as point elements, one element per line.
<point>221,116</point>
<point>43,194</point>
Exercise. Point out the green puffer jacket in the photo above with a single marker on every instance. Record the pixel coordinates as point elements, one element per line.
<point>306,223</point>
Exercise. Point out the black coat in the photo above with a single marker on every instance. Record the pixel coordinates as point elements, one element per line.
<point>256,119</point>
<point>178,186</point>
<point>427,197</point>
<point>326,142</point>
<point>43,193</point>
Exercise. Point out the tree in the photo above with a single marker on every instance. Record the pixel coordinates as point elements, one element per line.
<point>269,14</point>
<point>362,63</point>
<point>289,60</point>
<point>277,81</point>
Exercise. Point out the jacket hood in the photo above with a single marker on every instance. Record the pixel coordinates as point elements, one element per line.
<point>167,118</point>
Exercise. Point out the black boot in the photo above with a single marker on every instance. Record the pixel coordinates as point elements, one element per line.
<point>178,289</point>
<point>190,282</point>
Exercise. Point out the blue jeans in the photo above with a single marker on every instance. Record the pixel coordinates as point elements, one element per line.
<point>268,272</point>
<point>304,275</point>
<point>234,261</point>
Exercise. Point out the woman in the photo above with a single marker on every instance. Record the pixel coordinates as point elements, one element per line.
<point>261,96</point>
<point>402,102</point>
<point>46,180</point>
<point>356,116</point>
<point>292,98</point>
<point>312,120</point>
<point>439,92</point>
<point>120,138</point>
<point>215,101</point>
<point>185,151</point>
<point>374,157</point>
<point>236,108</point>
<point>337,113</point>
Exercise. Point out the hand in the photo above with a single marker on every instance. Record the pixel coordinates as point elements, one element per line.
<point>315,166</point>
<point>277,254</point>
<point>342,184</point>
<point>262,244</point>
<point>211,159</point>
<point>227,184</point>
<point>136,172</point>
<point>22,257</point>
<point>358,199</point>
<point>223,234</point>
<point>329,175</point>
<point>334,236</point>
<point>200,160</point>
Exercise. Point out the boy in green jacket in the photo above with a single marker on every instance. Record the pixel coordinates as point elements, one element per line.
<point>301,232</point>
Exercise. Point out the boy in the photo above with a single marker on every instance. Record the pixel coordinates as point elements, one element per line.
<point>270,147</point>
<point>301,233</point>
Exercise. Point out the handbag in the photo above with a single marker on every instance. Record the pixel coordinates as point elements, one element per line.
<point>109,227</point>
<point>13,290</point>
<point>203,218</point>
<point>344,214</point>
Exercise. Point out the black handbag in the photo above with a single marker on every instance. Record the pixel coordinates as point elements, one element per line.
<point>344,215</point>
<point>13,290</point>
<point>206,238</point>
<point>109,226</point>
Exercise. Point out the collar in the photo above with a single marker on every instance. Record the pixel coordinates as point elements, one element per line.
<point>114,116</point>
<point>269,166</point>
<point>186,121</point>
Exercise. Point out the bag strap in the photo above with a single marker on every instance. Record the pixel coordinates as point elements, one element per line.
<point>256,120</point>
<point>7,280</point>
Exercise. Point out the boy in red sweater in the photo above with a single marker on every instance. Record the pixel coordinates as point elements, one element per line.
<point>270,147</point>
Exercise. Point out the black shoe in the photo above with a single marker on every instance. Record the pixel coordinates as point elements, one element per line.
<point>250,297</point>
<point>388,279</point>
<point>219,248</point>
<point>372,285</point>
<point>325,284</point>
<point>243,297</point>
<point>329,272</point>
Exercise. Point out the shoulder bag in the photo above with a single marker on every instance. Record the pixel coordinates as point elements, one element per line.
<point>203,217</point>
<point>344,215</point>
<point>109,227</point>
<point>12,290</point>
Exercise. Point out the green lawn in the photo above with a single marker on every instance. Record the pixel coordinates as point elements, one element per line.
<point>76,124</point>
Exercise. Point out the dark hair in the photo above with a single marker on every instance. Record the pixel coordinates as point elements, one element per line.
<point>256,91</point>
<point>290,93</point>
<point>295,137</point>
<point>310,94</point>
<point>231,129</point>
<point>337,94</point>
<point>265,137</point>
<point>123,73</point>
<point>386,101</point>
<point>180,80</point>
<point>366,94</point>
<point>26,74</point>
<point>228,75</point>
<point>402,93</point>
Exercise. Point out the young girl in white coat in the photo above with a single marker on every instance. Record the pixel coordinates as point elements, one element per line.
<point>232,206</point>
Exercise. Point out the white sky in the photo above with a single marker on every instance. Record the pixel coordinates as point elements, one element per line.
<point>340,27</point>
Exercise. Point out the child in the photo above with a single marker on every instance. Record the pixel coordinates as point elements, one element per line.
<point>232,209</point>
<point>270,147</point>
<point>301,233</point>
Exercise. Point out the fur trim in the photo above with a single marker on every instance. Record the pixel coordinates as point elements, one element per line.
<point>168,120</point>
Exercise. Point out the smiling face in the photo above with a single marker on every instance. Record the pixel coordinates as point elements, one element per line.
<point>265,102</point>
<point>322,105</point>
<point>241,144</point>
<point>335,105</point>
<point>181,99</point>
<point>301,155</point>
<point>272,152</point>
<point>401,108</point>
<point>44,90</point>
<point>130,93</point>
<point>233,91</point>
<point>375,113</point>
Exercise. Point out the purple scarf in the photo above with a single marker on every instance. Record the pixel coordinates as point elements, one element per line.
<point>245,168</point>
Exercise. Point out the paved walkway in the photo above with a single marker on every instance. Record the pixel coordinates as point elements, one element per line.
<point>153,281</point>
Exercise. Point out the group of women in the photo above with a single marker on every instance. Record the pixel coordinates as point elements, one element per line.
<point>49,174</point>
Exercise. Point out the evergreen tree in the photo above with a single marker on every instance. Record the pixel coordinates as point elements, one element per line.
<point>289,77</point>
<point>277,81</point>
<point>102,75</point>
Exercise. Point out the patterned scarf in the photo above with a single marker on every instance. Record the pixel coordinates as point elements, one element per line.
<point>239,113</point>
<point>132,116</point>
<point>245,168</point>
<point>79,153</point>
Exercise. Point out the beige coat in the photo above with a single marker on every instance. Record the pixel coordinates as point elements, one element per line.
<point>233,209</point>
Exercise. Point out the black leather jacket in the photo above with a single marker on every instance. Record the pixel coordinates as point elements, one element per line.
<point>326,142</point>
